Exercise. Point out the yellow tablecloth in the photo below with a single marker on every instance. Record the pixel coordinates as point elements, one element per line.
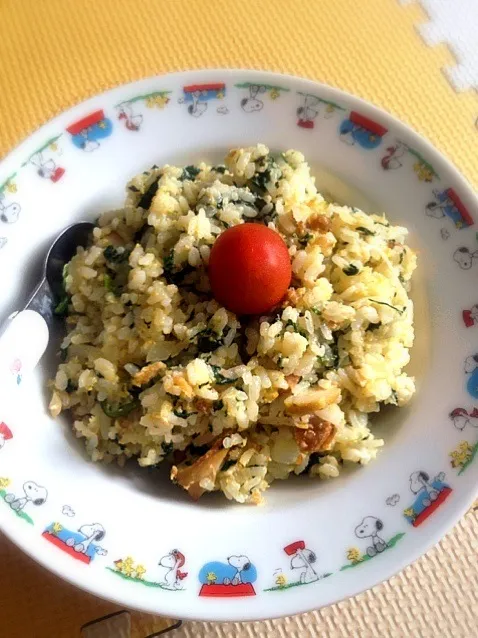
<point>54,54</point>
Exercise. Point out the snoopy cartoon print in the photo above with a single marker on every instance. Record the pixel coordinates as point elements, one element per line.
<point>229,579</point>
<point>470,316</point>
<point>464,257</point>
<point>87,132</point>
<point>9,211</point>
<point>5,434</point>
<point>308,111</point>
<point>447,203</point>
<point>253,103</point>
<point>471,370</point>
<point>429,494</point>
<point>82,544</point>
<point>173,576</point>
<point>131,120</point>
<point>47,168</point>
<point>302,559</point>
<point>370,528</point>
<point>254,100</point>
<point>303,564</point>
<point>394,156</point>
<point>33,495</point>
<point>361,130</point>
<point>199,95</point>
<point>461,418</point>
<point>311,107</point>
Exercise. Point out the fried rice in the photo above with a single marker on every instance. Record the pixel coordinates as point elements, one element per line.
<point>153,368</point>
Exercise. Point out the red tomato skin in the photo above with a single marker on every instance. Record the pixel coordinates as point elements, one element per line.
<point>249,269</point>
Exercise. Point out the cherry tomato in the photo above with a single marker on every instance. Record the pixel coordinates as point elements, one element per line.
<point>249,269</point>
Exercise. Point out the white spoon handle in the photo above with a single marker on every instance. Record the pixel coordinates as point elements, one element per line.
<point>22,345</point>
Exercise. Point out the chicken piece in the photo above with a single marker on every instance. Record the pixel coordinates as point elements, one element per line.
<point>206,467</point>
<point>292,380</point>
<point>148,372</point>
<point>203,406</point>
<point>325,242</point>
<point>310,402</point>
<point>183,386</point>
<point>294,297</point>
<point>317,437</point>
<point>319,222</point>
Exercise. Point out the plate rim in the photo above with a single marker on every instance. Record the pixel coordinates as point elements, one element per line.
<point>438,531</point>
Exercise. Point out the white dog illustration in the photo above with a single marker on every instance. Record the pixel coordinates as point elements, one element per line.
<point>420,482</point>
<point>91,533</point>
<point>34,493</point>
<point>173,563</point>
<point>240,564</point>
<point>369,528</point>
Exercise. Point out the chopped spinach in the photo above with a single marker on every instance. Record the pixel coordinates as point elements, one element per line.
<point>139,234</point>
<point>133,188</point>
<point>296,328</point>
<point>260,180</point>
<point>63,354</point>
<point>172,276</point>
<point>402,255</point>
<point>190,172</point>
<point>198,450</point>
<point>219,378</point>
<point>167,448</point>
<point>183,414</point>
<point>115,256</point>
<point>227,464</point>
<point>219,169</point>
<point>330,360</point>
<point>384,303</point>
<point>208,340</point>
<point>265,218</point>
<point>168,264</point>
<point>303,241</point>
<point>148,196</point>
<point>71,386</point>
<point>61,309</point>
<point>218,405</point>
<point>109,283</point>
<point>258,183</point>
<point>373,326</point>
<point>316,311</point>
<point>350,270</point>
<point>365,231</point>
<point>115,410</point>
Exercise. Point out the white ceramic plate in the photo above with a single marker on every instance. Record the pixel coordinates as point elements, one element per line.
<point>174,555</point>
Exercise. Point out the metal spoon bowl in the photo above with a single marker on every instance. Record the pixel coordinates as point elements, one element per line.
<point>50,289</point>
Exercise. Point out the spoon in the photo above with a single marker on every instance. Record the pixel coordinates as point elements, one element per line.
<point>50,290</point>
<point>25,337</point>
